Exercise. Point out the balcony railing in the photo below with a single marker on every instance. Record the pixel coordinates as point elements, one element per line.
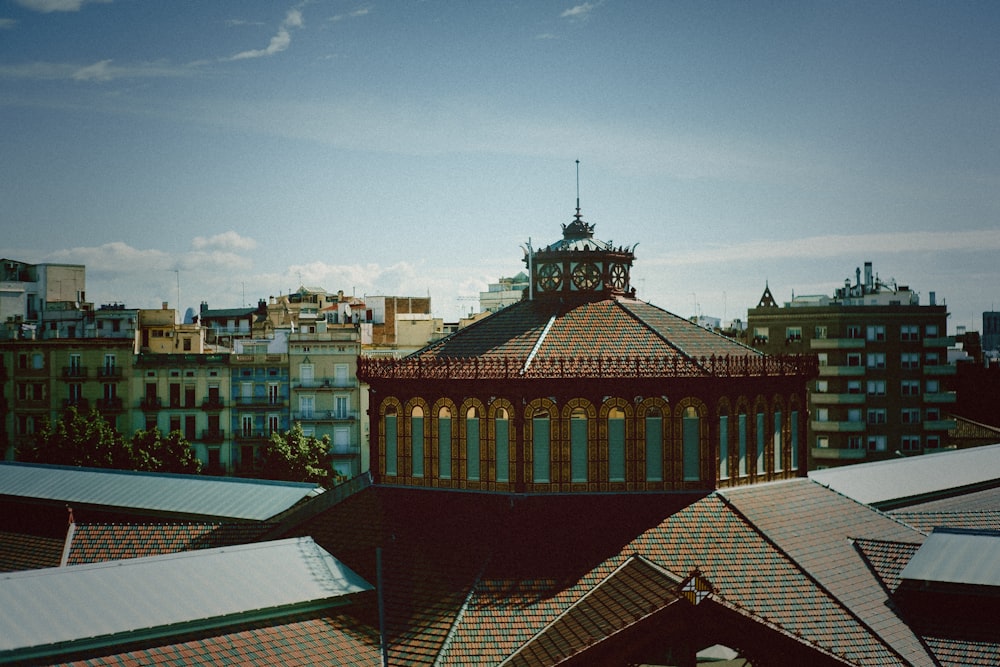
<point>260,401</point>
<point>150,403</point>
<point>213,436</point>
<point>81,404</point>
<point>252,436</point>
<point>836,343</point>
<point>324,415</point>
<point>74,372</point>
<point>215,403</point>
<point>841,371</point>
<point>110,404</point>
<point>109,372</point>
<point>837,399</point>
<point>837,426</point>
<point>839,453</point>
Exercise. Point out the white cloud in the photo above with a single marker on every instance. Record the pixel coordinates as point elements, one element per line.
<point>579,11</point>
<point>7,24</point>
<point>47,6</point>
<point>230,240</point>
<point>360,11</point>
<point>279,42</point>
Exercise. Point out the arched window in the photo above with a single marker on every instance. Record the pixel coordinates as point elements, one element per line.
<point>540,439</point>
<point>444,443</point>
<point>761,441</point>
<point>743,436</point>
<point>616,445</point>
<point>391,441</point>
<point>776,438</point>
<point>689,435</point>
<point>417,440</point>
<point>501,423</point>
<point>724,444</point>
<point>578,445</point>
<point>472,445</point>
<point>794,437</point>
<point>654,445</point>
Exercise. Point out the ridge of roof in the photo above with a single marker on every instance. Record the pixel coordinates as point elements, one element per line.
<point>806,572</point>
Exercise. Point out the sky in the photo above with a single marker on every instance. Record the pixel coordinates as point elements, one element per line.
<point>225,152</point>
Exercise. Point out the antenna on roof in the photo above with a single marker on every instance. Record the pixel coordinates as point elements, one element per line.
<point>577,186</point>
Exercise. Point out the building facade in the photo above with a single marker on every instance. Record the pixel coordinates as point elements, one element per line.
<point>885,386</point>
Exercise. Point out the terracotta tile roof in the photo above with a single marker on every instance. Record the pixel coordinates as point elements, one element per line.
<point>101,542</point>
<point>887,559</point>
<point>19,551</point>
<point>821,547</point>
<point>606,328</point>
<point>317,638</point>
<point>927,521</point>
<point>965,653</point>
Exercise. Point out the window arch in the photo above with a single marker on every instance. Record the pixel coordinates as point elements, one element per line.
<point>653,419</point>
<point>444,442</point>
<point>417,441</point>
<point>616,444</point>
<point>390,436</point>
<point>498,449</point>
<point>724,455</point>
<point>539,414</point>
<point>473,448</point>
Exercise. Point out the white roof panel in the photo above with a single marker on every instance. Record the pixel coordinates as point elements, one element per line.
<point>96,604</point>
<point>913,477</point>
<point>957,557</point>
<point>190,495</point>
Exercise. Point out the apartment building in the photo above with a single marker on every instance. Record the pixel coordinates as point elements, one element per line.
<point>42,378</point>
<point>326,398</point>
<point>885,386</point>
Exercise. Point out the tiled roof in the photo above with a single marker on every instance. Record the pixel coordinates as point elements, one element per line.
<point>606,328</point>
<point>927,521</point>
<point>94,543</point>
<point>19,551</point>
<point>316,638</point>
<point>887,559</point>
<point>951,653</point>
<point>821,547</point>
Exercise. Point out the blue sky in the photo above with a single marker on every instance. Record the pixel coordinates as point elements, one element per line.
<point>241,149</point>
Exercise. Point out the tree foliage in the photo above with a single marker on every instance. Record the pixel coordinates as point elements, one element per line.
<point>89,440</point>
<point>293,456</point>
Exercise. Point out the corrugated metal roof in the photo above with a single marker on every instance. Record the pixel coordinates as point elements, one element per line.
<point>957,557</point>
<point>174,495</point>
<point>885,483</point>
<point>83,606</point>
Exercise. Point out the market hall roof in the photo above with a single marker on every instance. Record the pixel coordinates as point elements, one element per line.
<point>161,494</point>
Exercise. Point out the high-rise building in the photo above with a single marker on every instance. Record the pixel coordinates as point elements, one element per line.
<point>884,385</point>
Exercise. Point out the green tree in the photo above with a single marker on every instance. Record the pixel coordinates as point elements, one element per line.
<point>293,456</point>
<point>153,451</point>
<point>79,440</point>
<point>90,441</point>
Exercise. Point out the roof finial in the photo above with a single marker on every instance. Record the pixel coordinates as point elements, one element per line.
<point>577,188</point>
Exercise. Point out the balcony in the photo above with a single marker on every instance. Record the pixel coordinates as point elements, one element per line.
<point>836,453</point>
<point>327,384</point>
<point>841,371</point>
<point>260,402</point>
<point>838,399</point>
<point>837,344</point>
<point>74,372</point>
<point>837,427</point>
<point>325,416</point>
<point>114,404</point>
<point>109,372</point>
<point>211,436</point>
<point>939,424</point>
<point>345,450</point>
<point>150,404</point>
<point>213,404</point>
<point>940,341</point>
<point>252,437</point>
<point>941,369</point>
<point>940,397</point>
<point>81,404</point>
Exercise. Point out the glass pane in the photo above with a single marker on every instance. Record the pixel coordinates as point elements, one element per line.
<point>654,449</point>
<point>616,450</point>
<point>472,448</point>
<point>540,449</point>
<point>390,444</point>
